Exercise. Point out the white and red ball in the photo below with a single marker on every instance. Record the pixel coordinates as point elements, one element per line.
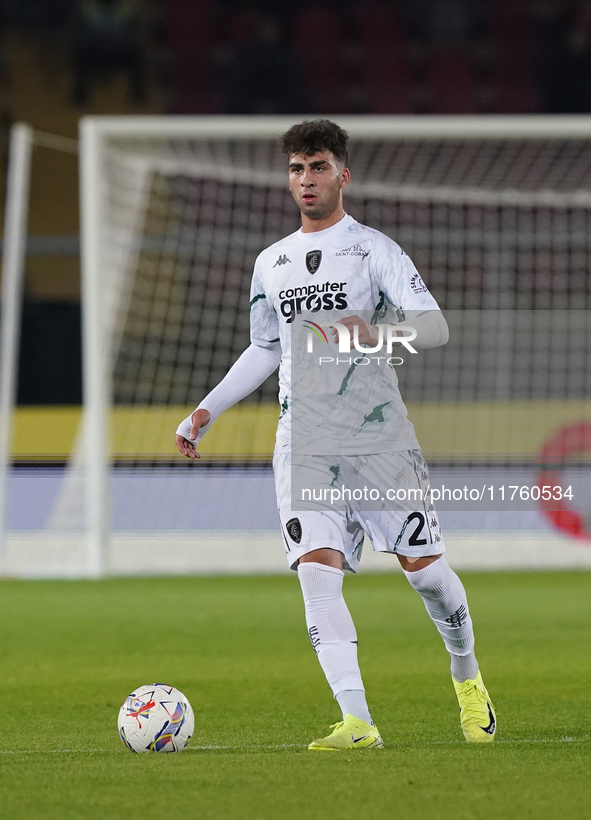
<point>156,718</point>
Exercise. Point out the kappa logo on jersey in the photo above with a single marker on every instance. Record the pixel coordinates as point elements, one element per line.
<point>283,260</point>
<point>354,250</point>
<point>327,296</point>
<point>313,260</point>
<point>294,529</point>
<point>417,285</point>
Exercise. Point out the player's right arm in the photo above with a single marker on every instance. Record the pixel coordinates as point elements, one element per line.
<point>253,367</point>
<point>200,418</point>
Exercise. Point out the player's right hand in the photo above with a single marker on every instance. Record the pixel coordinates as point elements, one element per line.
<point>185,446</point>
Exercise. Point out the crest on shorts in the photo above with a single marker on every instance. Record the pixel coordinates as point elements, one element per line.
<point>294,529</point>
<point>313,260</point>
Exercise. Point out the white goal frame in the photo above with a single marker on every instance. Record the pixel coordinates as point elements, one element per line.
<point>95,132</point>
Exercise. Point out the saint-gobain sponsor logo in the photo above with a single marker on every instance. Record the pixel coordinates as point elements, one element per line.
<point>354,250</point>
<point>312,298</point>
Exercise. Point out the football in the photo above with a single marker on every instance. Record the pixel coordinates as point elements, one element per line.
<point>156,718</point>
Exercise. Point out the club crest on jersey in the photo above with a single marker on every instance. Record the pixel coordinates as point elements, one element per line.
<point>417,285</point>
<point>313,260</point>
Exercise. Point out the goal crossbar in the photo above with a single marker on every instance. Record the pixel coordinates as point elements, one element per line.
<point>423,127</point>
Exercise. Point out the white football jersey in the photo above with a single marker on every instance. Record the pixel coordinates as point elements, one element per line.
<point>346,406</point>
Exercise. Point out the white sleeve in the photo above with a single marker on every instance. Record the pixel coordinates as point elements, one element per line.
<point>398,279</point>
<point>264,325</point>
<point>401,283</point>
<point>431,328</point>
<point>252,368</point>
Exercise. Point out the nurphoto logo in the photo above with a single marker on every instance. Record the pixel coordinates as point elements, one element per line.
<point>387,335</point>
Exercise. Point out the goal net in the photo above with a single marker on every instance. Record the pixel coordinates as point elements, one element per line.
<point>494,212</point>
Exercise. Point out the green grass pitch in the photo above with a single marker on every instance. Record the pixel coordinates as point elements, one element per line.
<point>237,647</point>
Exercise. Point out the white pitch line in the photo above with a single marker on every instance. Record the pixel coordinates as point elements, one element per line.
<point>395,745</point>
<point>460,742</point>
<point>253,746</point>
<point>48,751</point>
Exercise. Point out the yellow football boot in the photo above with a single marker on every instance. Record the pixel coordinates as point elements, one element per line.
<point>350,733</point>
<point>477,714</point>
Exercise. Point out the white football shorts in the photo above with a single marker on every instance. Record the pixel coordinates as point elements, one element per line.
<point>340,499</point>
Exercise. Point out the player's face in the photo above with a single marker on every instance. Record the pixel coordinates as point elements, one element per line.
<point>317,183</point>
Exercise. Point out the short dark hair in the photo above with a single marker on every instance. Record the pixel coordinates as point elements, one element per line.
<point>312,137</point>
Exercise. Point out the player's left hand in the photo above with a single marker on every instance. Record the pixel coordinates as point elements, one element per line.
<point>368,334</point>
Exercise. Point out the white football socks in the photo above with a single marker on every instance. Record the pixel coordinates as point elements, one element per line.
<point>332,634</point>
<point>353,702</point>
<point>445,600</point>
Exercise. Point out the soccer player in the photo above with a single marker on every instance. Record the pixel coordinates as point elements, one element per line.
<point>339,269</point>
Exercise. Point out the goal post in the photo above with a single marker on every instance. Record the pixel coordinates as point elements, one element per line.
<point>494,211</point>
<point>96,346</point>
<point>13,270</point>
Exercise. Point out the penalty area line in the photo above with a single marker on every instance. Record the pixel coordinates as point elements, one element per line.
<point>187,749</point>
<point>249,747</point>
<point>49,751</point>
<point>394,745</point>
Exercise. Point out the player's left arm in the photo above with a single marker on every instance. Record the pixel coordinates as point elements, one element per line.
<point>430,326</point>
<point>401,283</point>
